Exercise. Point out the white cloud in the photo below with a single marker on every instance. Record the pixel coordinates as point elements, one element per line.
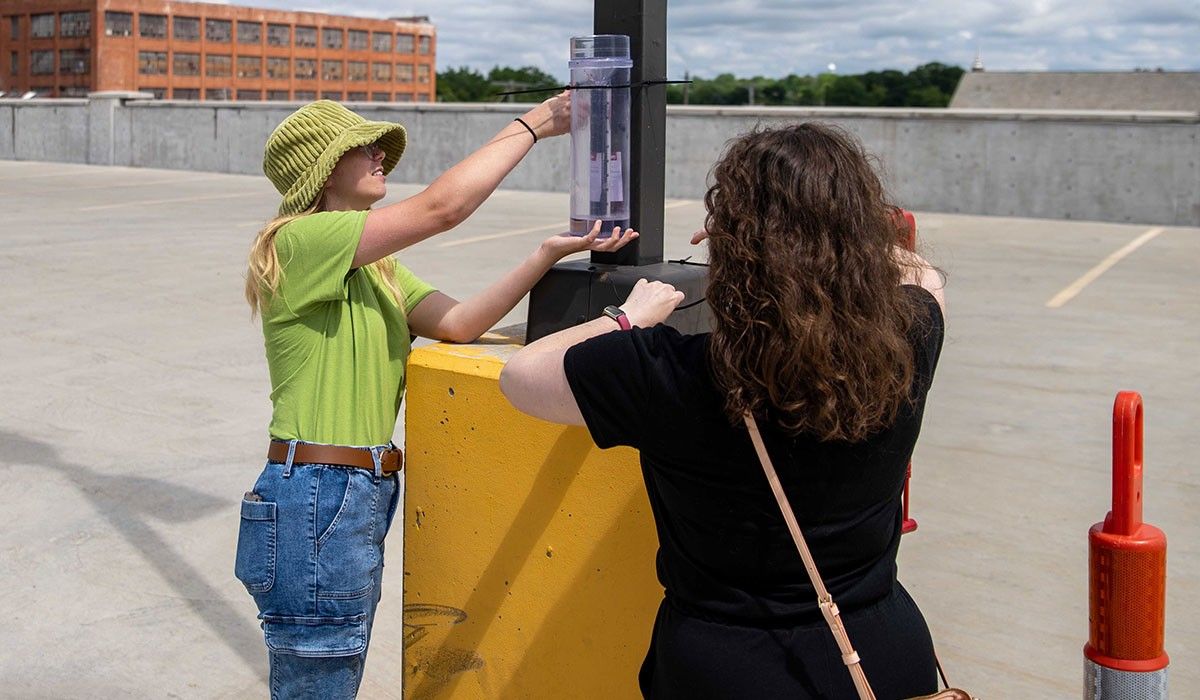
<point>776,37</point>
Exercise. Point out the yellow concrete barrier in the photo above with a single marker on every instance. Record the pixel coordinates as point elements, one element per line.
<point>529,553</point>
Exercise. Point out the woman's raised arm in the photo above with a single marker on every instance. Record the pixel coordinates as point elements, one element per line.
<point>459,191</point>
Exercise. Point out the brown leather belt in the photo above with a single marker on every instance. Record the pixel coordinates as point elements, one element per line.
<point>391,460</point>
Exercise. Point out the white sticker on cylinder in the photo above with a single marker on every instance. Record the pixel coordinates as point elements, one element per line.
<point>616,184</point>
<point>595,172</point>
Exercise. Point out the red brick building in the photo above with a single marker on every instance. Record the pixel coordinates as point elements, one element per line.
<point>201,51</point>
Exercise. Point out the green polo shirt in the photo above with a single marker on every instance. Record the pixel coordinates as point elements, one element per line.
<point>336,340</point>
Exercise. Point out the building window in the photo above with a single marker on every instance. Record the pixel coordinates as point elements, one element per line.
<point>249,32</point>
<point>404,73</point>
<point>423,73</point>
<point>305,95</point>
<point>218,66</point>
<point>381,97</point>
<point>159,93</point>
<point>76,23</point>
<point>334,95</point>
<point>356,97</point>
<point>381,71</point>
<point>152,26</point>
<point>14,27</point>
<point>249,67</point>
<point>279,68</point>
<point>381,41</point>
<point>186,94</point>
<point>423,45</point>
<point>404,43</point>
<point>73,91</point>
<point>331,38</point>
<point>404,97</point>
<point>14,62</point>
<point>358,40</point>
<point>219,31</point>
<point>41,26</point>
<point>306,37</point>
<point>41,62</point>
<point>249,95</point>
<point>186,64</point>
<point>74,62</point>
<point>306,69</point>
<point>279,35</point>
<point>152,62</point>
<point>118,23</point>
<point>187,29</point>
<point>219,94</point>
<point>357,70</point>
<point>422,97</point>
<point>331,70</point>
<point>278,95</point>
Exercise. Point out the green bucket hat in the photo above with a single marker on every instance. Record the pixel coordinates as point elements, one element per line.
<point>301,152</point>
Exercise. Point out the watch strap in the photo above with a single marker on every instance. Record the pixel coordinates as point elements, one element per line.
<point>617,314</point>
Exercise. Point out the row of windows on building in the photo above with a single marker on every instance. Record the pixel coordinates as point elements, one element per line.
<point>224,94</point>
<point>78,62</point>
<point>79,24</point>
<point>284,95</point>
<point>216,65</point>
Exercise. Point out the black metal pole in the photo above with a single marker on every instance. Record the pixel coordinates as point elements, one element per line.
<point>645,23</point>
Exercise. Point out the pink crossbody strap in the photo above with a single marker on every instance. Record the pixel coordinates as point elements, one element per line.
<point>824,600</point>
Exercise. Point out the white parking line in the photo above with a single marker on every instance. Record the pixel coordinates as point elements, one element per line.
<point>1090,276</point>
<point>535,229</point>
<point>146,202</point>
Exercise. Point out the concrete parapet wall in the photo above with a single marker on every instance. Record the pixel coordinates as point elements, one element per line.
<point>1105,166</point>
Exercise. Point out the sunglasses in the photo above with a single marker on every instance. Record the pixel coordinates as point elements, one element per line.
<point>373,150</point>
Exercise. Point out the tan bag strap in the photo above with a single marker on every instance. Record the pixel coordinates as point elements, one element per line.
<point>825,601</point>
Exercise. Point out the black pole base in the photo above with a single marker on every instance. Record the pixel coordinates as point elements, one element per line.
<point>575,292</point>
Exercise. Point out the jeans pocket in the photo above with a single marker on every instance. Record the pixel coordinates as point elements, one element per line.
<point>347,555</point>
<point>316,636</point>
<point>255,564</point>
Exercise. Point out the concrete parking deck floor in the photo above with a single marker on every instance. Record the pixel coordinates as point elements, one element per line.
<point>135,408</point>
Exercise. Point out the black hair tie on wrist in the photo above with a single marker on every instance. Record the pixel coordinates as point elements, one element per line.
<point>531,131</point>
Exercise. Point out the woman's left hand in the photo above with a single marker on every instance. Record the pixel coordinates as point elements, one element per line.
<point>562,245</point>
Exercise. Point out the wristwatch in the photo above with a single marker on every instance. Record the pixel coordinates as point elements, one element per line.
<point>618,315</point>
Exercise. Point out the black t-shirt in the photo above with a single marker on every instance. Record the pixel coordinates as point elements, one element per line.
<point>724,549</point>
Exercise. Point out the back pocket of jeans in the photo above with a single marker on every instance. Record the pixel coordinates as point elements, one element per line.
<point>255,565</point>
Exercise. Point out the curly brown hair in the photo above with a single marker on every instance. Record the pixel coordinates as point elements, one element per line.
<point>811,323</point>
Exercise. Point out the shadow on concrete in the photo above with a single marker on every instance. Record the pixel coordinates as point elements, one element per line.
<point>126,502</point>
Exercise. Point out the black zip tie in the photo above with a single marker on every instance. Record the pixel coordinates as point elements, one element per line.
<point>560,88</point>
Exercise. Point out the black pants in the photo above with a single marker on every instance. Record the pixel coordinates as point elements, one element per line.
<point>694,658</point>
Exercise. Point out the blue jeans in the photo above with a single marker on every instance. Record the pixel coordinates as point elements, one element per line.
<point>310,552</point>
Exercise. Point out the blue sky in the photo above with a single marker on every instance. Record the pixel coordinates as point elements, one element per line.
<point>777,37</point>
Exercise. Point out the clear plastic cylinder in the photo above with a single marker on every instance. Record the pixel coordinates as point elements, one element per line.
<point>600,73</point>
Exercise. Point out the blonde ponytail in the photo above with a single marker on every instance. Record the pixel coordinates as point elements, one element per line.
<point>263,270</point>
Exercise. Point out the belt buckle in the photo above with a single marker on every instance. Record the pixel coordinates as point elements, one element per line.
<point>399,457</point>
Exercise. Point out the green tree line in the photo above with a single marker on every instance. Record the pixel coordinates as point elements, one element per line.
<point>929,85</point>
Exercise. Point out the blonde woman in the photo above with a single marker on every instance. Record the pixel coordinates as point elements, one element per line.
<point>338,313</point>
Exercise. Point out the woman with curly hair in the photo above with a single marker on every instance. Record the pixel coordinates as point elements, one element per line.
<point>828,334</point>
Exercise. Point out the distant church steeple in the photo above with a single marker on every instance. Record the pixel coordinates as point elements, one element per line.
<point>977,64</point>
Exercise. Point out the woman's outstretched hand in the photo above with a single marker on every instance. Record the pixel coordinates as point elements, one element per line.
<point>562,245</point>
<point>552,117</point>
<point>651,302</point>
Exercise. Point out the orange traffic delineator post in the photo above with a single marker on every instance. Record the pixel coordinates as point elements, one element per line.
<point>908,241</point>
<point>1124,657</point>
